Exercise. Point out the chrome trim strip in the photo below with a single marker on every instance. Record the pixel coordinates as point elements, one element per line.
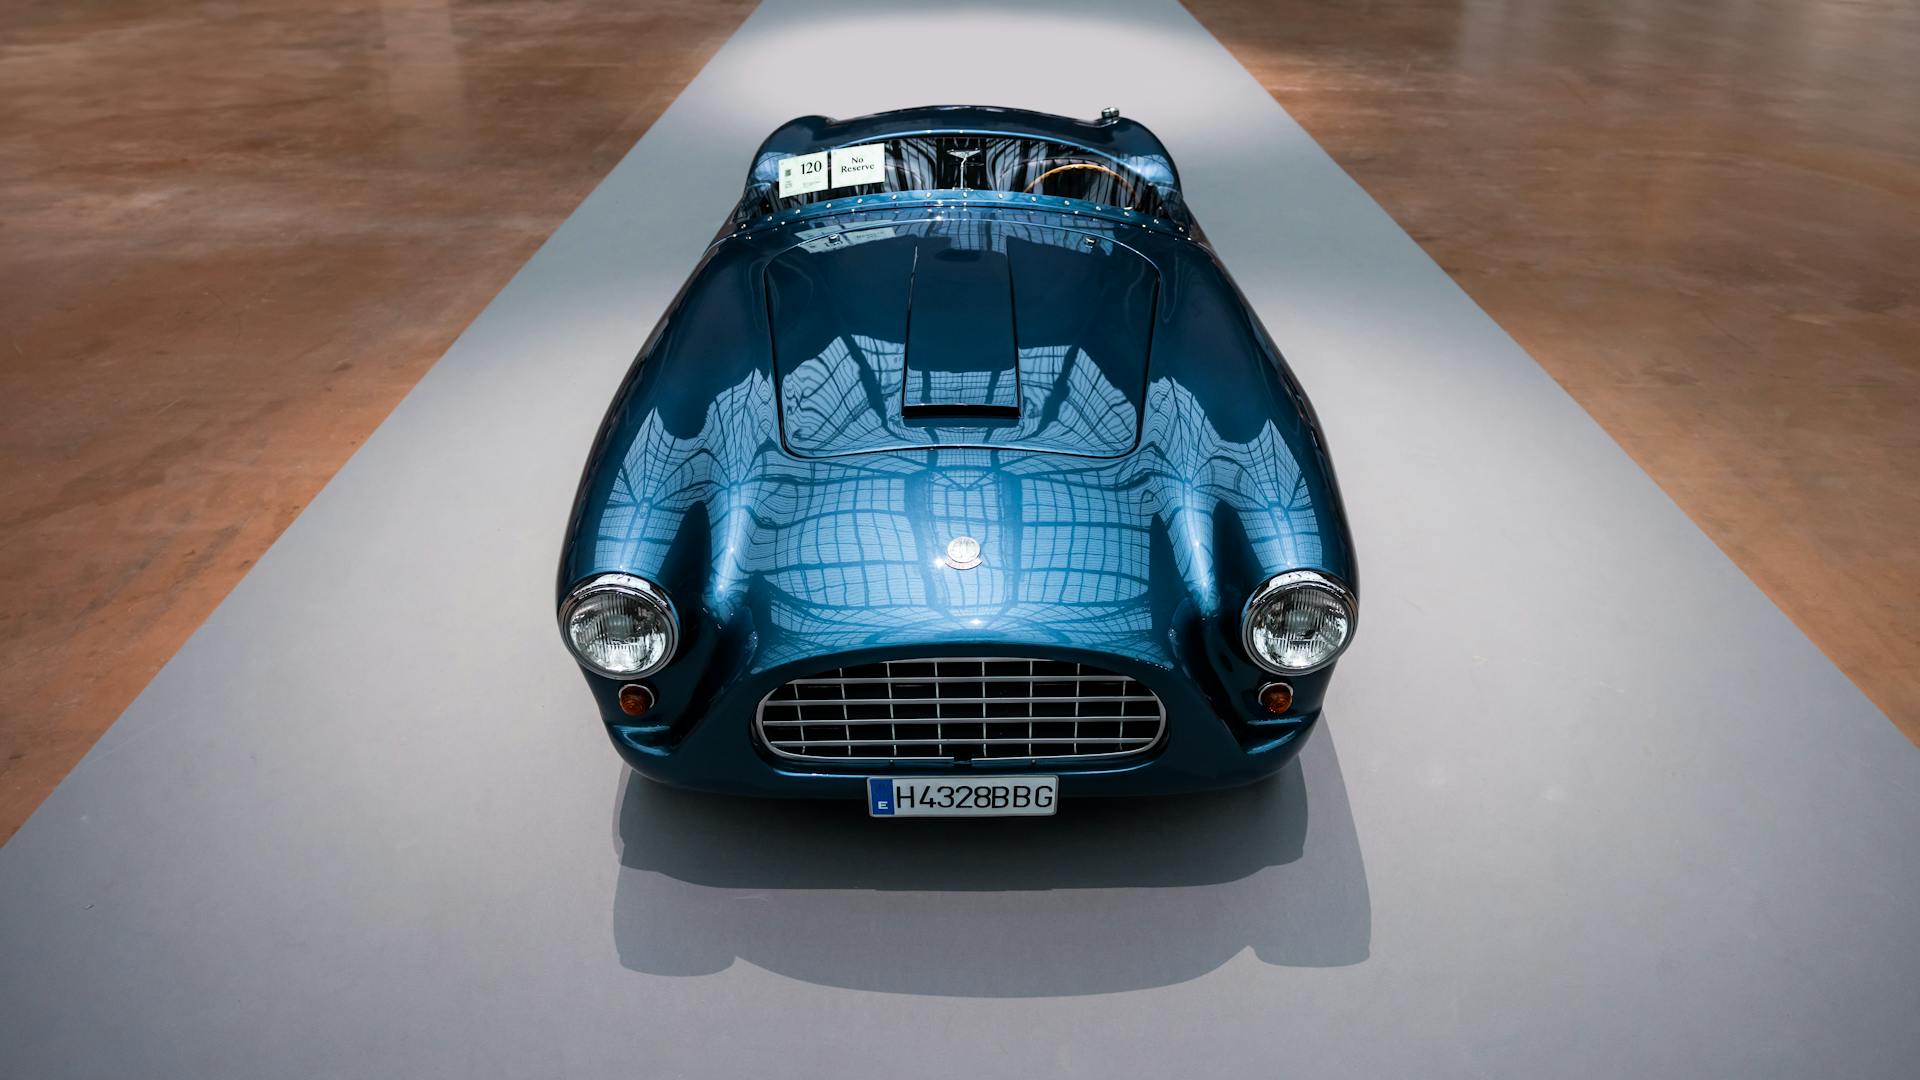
<point>786,736</point>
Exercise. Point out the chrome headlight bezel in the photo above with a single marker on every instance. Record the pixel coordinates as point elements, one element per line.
<point>638,588</point>
<point>1272,590</point>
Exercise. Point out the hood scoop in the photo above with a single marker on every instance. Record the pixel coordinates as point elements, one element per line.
<point>961,363</point>
<point>967,332</point>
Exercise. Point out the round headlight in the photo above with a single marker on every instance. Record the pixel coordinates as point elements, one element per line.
<point>1298,622</point>
<point>620,626</point>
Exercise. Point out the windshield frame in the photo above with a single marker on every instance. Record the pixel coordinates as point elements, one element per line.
<point>1152,176</point>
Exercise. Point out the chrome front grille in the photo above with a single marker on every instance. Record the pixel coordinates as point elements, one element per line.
<point>961,709</point>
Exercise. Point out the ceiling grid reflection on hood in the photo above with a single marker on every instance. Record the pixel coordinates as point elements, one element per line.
<point>961,331</point>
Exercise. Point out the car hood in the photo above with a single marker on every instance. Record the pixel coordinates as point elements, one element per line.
<point>763,464</point>
<point>960,332</point>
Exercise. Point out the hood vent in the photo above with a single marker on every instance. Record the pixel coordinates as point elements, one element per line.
<point>968,332</point>
<point>961,361</point>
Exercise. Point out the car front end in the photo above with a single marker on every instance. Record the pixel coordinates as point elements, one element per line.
<point>755,706</point>
<point>977,466</point>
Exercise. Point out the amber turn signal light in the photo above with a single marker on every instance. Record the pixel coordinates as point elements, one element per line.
<point>1276,697</point>
<point>635,699</point>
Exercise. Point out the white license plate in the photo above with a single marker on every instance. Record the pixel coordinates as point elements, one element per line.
<point>962,796</point>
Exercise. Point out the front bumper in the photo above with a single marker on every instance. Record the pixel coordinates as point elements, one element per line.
<point>1207,746</point>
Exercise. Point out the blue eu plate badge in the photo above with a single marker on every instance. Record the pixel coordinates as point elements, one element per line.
<point>880,796</point>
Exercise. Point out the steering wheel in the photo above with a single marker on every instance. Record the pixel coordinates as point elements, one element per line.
<point>1072,166</point>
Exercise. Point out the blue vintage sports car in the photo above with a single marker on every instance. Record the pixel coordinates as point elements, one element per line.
<point>959,479</point>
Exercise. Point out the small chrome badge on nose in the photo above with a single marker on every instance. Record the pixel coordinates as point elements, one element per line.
<point>963,553</point>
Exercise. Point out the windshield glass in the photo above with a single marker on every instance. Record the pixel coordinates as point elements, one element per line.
<point>960,162</point>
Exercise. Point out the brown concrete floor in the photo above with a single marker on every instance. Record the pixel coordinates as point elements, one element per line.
<point>1703,218</point>
<point>234,237</point>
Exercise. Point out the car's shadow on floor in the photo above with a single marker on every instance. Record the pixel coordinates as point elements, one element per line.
<point>1109,895</point>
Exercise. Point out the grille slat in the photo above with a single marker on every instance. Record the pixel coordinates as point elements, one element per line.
<point>959,679</point>
<point>941,742</point>
<point>892,725</point>
<point>961,709</point>
<point>1103,698</point>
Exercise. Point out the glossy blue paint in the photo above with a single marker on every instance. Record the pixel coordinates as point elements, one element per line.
<point>960,360</point>
<point>1151,462</point>
<point>1039,341</point>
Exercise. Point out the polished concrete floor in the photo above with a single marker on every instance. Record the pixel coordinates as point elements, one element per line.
<point>233,238</point>
<point>1703,218</point>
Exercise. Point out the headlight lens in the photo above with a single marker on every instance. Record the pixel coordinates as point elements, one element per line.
<point>620,626</point>
<point>1299,622</point>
